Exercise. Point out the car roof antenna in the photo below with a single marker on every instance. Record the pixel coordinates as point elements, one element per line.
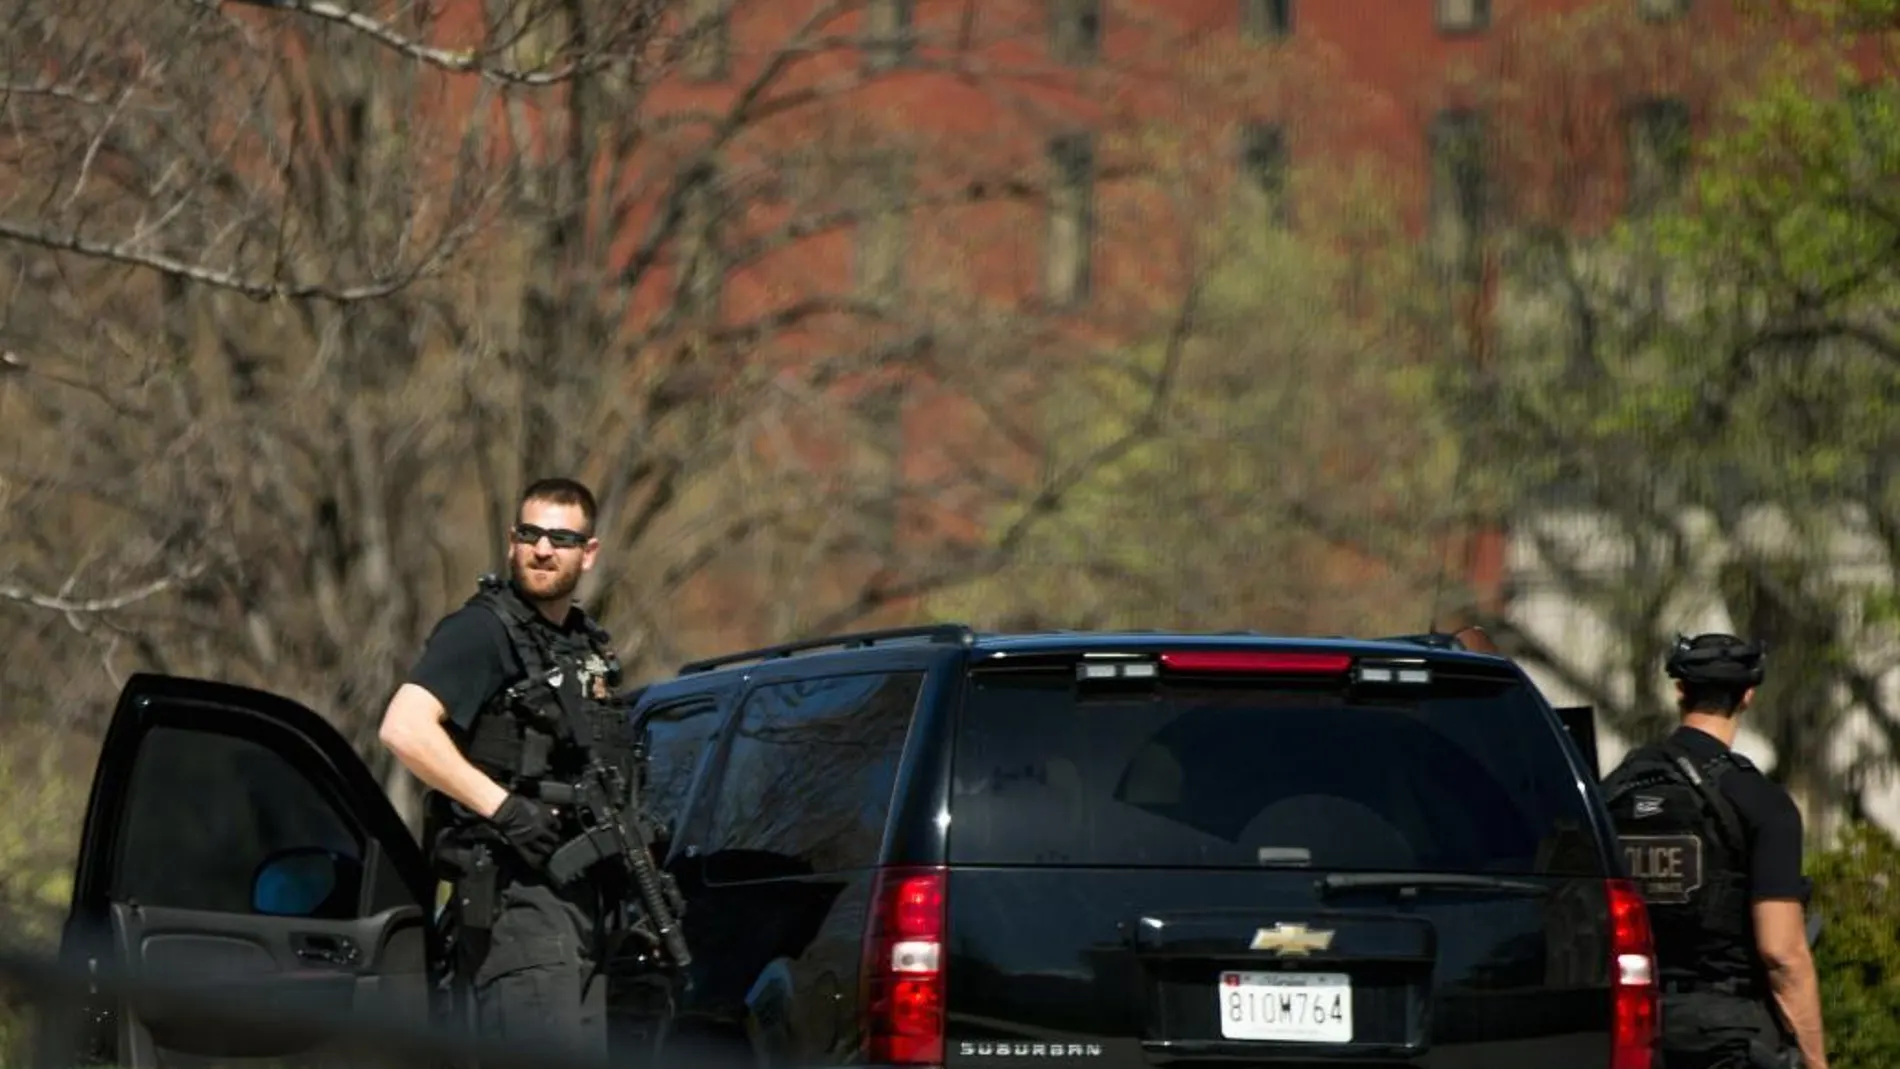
<point>1438,581</point>
<point>1438,590</point>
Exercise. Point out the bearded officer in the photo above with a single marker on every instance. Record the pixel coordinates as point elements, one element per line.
<point>1716,847</point>
<point>473,725</point>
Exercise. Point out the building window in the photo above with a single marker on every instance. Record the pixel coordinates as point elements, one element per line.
<point>1263,161</point>
<point>1266,20</point>
<point>1075,31</point>
<point>1662,10</point>
<point>882,229</point>
<point>1463,16</point>
<point>701,274</point>
<point>882,476</point>
<point>708,40</point>
<point>887,26</point>
<point>1071,218</point>
<point>1658,139</point>
<point>1460,193</point>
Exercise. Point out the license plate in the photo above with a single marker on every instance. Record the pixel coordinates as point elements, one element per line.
<point>1286,1007</point>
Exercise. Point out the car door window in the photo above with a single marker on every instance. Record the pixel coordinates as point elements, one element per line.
<point>211,808</point>
<point>807,782</point>
<point>678,737</point>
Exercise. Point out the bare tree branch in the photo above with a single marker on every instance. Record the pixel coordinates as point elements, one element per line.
<point>103,604</point>
<point>377,307</point>
<point>1048,498</point>
<point>256,289</point>
<point>455,61</point>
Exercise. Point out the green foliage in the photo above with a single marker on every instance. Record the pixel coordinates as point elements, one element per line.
<point>1866,15</point>
<point>1727,360</point>
<point>1275,428</point>
<point>1797,191</point>
<point>44,802</point>
<point>1857,889</point>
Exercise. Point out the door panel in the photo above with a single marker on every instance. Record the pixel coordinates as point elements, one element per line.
<point>776,860</point>
<point>235,847</point>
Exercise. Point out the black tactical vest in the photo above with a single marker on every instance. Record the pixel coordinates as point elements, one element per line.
<point>1685,847</point>
<point>548,721</point>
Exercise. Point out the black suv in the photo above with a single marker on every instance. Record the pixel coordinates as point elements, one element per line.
<point>935,847</point>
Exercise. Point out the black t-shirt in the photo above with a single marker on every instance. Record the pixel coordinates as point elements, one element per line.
<point>1769,818</point>
<point>467,659</point>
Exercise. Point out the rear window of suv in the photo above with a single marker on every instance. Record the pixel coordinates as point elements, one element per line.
<point>1468,777</point>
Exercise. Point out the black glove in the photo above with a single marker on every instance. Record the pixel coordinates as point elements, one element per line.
<point>530,827</point>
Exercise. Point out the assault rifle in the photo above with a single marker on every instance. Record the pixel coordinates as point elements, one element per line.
<point>614,824</point>
<point>611,833</point>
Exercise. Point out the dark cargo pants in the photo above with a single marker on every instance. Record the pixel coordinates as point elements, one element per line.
<point>1729,1059</point>
<point>539,982</point>
<point>1711,1031</point>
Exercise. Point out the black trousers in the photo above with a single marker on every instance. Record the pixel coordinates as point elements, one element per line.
<point>1704,1060</point>
<point>540,981</point>
<point>1729,1059</point>
<point>1713,1031</point>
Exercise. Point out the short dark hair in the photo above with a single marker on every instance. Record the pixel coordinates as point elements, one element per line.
<point>1721,699</point>
<point>561,491</point>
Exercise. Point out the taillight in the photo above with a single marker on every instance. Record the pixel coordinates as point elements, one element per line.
<point>903,968</point>
<point>1255,661</point>
<point>1633,979</point>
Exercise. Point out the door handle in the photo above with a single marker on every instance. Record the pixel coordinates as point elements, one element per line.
<point>319,948</point>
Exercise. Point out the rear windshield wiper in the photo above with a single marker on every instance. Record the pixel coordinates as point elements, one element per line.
<point>1413,882</point>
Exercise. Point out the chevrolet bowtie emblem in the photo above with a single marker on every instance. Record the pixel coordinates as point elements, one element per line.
<point>1291,940</point>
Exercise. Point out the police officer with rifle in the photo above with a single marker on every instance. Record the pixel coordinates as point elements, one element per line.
<point>1716,848</point>
<point>532,816</point>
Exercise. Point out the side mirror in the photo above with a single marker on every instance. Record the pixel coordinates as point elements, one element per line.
<point>299,882</point>
<point>1475,639</point>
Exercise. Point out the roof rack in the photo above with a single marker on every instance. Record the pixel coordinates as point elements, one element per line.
<point>958,634</point>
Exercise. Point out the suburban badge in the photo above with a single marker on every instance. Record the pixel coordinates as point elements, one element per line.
<point>1003,1048</point>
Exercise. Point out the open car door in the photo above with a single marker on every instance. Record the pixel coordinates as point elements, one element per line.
<point>1580,721</point>
<point>234,846</point>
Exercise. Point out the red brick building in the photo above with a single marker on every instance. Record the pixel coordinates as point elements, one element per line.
<point>1045,163</point>
<point>1018,116</point>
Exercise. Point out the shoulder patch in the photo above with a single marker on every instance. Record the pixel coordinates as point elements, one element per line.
<point>1667,868</point>
<point>1647,805</point>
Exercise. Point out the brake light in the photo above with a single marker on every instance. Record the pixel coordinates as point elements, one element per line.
<point>903,972</point>
<point>1633,979</point>
<point>1255,661</point>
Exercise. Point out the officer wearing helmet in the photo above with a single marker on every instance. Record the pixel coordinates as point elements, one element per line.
<point>1716,848</point>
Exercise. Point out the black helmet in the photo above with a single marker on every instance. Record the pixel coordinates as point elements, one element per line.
<point>1718,660</point>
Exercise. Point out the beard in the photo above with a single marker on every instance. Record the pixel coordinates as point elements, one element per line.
<point>549,584</point>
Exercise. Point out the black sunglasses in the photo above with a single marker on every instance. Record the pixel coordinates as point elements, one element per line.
<point>528,534</point>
